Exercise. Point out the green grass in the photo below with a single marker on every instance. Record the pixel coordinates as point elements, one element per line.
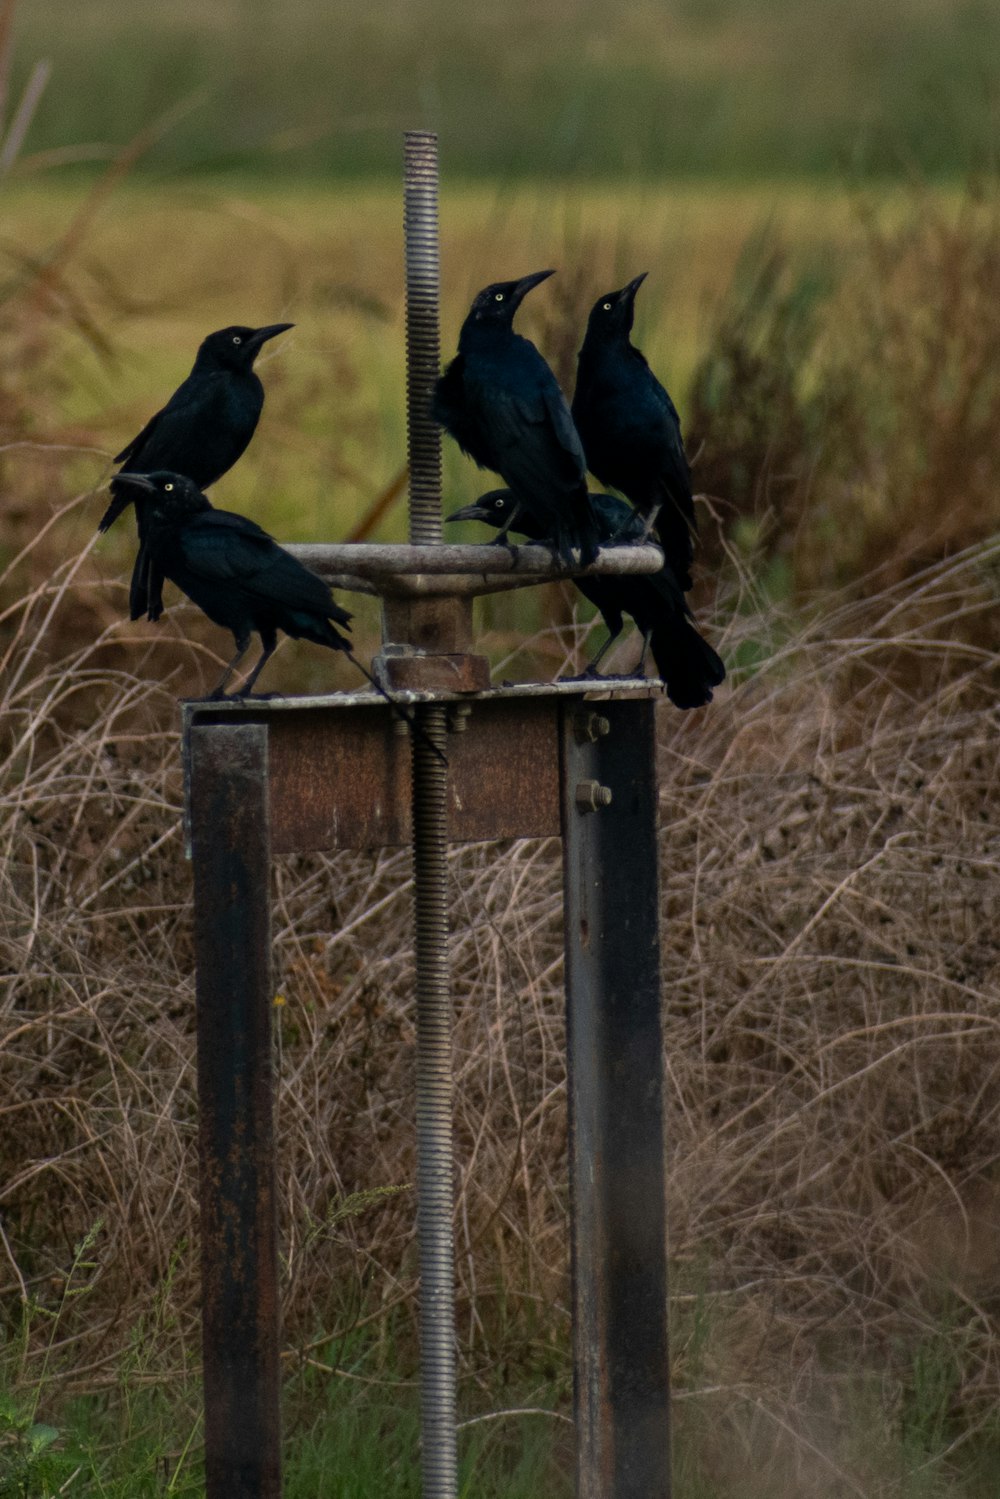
<point>726,88</point>
<point>342,1448</point>
<point>352,1427</point>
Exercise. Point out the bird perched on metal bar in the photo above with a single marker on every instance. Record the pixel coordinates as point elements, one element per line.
<point>234,571</point>
<point>242,579</point>
<point>686,663</point>
<point>202,430</point>
<point>502,404</point>
<point>630,429</point>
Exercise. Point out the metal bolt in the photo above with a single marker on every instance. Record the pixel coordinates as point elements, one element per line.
<point>590,727</point>
<point>591,796</point>
<point>458,717</point>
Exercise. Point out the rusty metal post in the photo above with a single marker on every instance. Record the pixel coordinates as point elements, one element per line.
<point>435,1151</point>
<point>615,1080</point>
<point>230,850</point>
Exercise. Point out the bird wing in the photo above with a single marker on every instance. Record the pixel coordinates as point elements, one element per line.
<point>450,407</point>
<point>675,470</point>
<point>221,547</point>
<point>200,432</point>
<point>559,417</point>
<point>138,441</point>
<point>533,447</point>
<point>169,423</point>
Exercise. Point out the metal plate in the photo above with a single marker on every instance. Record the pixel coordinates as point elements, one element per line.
<point>339,767</point>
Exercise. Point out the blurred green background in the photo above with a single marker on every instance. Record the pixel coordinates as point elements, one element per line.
<point>582,88</point>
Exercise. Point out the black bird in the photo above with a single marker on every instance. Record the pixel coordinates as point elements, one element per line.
<point>200,433</point>
<point>685,662</point>
<point>235,572</point>
<point>503,406</point>
<point>630,429</point>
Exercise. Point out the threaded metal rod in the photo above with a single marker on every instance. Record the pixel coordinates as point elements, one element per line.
<point>423,340</point>
<point>435,1167</point>
<point>435,1159</point>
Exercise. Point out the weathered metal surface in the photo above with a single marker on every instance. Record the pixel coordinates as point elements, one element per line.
<point>615,1076</point>
<point>341,779</point>
<point>340,772</point>
<point>436,623</point>
<point>231,865</point>
<point>454,570</point>
<point>434,672</point>
<point>594,690</point>
<point>338,780</point>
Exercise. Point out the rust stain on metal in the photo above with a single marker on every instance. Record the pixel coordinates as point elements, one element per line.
<point>342,780</point>
<point>338,780</point>
<point>455,672</point>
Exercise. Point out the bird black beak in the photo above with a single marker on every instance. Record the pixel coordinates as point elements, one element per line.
<point>260,336</point>
<point>627,293</point>
<point>134,481</point>
<point>468,512</point>
<point>522,287</point>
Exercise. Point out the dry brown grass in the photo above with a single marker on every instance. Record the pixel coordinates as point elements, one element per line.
<point>831,829</point>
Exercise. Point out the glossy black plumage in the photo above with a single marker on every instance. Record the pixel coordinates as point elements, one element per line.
<point>502,404</point>
<point>234,571</point>
<point>202,430</point>
<point>630,429</point>
<point>687,664</point>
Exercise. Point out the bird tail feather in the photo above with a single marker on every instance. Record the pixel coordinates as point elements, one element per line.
<point>121,499</point>
<point>686,662</point>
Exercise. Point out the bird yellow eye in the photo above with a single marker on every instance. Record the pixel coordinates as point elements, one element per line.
<point>607,307</point>
<point>168,486</point>
<point>237,339</point>
<point>499,296</point>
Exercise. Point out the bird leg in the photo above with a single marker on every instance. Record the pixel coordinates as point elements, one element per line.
<point>501,539</point>
<point>591,670</point>
<point>640,670</point>
<point>247,689</point>
<point>649,523</point>
<point>241,650</point>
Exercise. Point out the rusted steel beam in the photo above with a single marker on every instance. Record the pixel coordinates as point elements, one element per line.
<point>230,848</point>
<point>615,1079</point>
<point>340,778</point>
<point>339,772</point>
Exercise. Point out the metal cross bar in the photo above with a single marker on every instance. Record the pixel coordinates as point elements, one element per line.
<point>459,571</point>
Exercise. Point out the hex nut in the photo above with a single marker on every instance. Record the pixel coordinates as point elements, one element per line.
<point>591,796</point>
<point>590,727</point>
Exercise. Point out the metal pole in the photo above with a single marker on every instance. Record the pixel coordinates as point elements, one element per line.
<point>435,1162</point>
<point>230,850</point>
<point>621,1367</point>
